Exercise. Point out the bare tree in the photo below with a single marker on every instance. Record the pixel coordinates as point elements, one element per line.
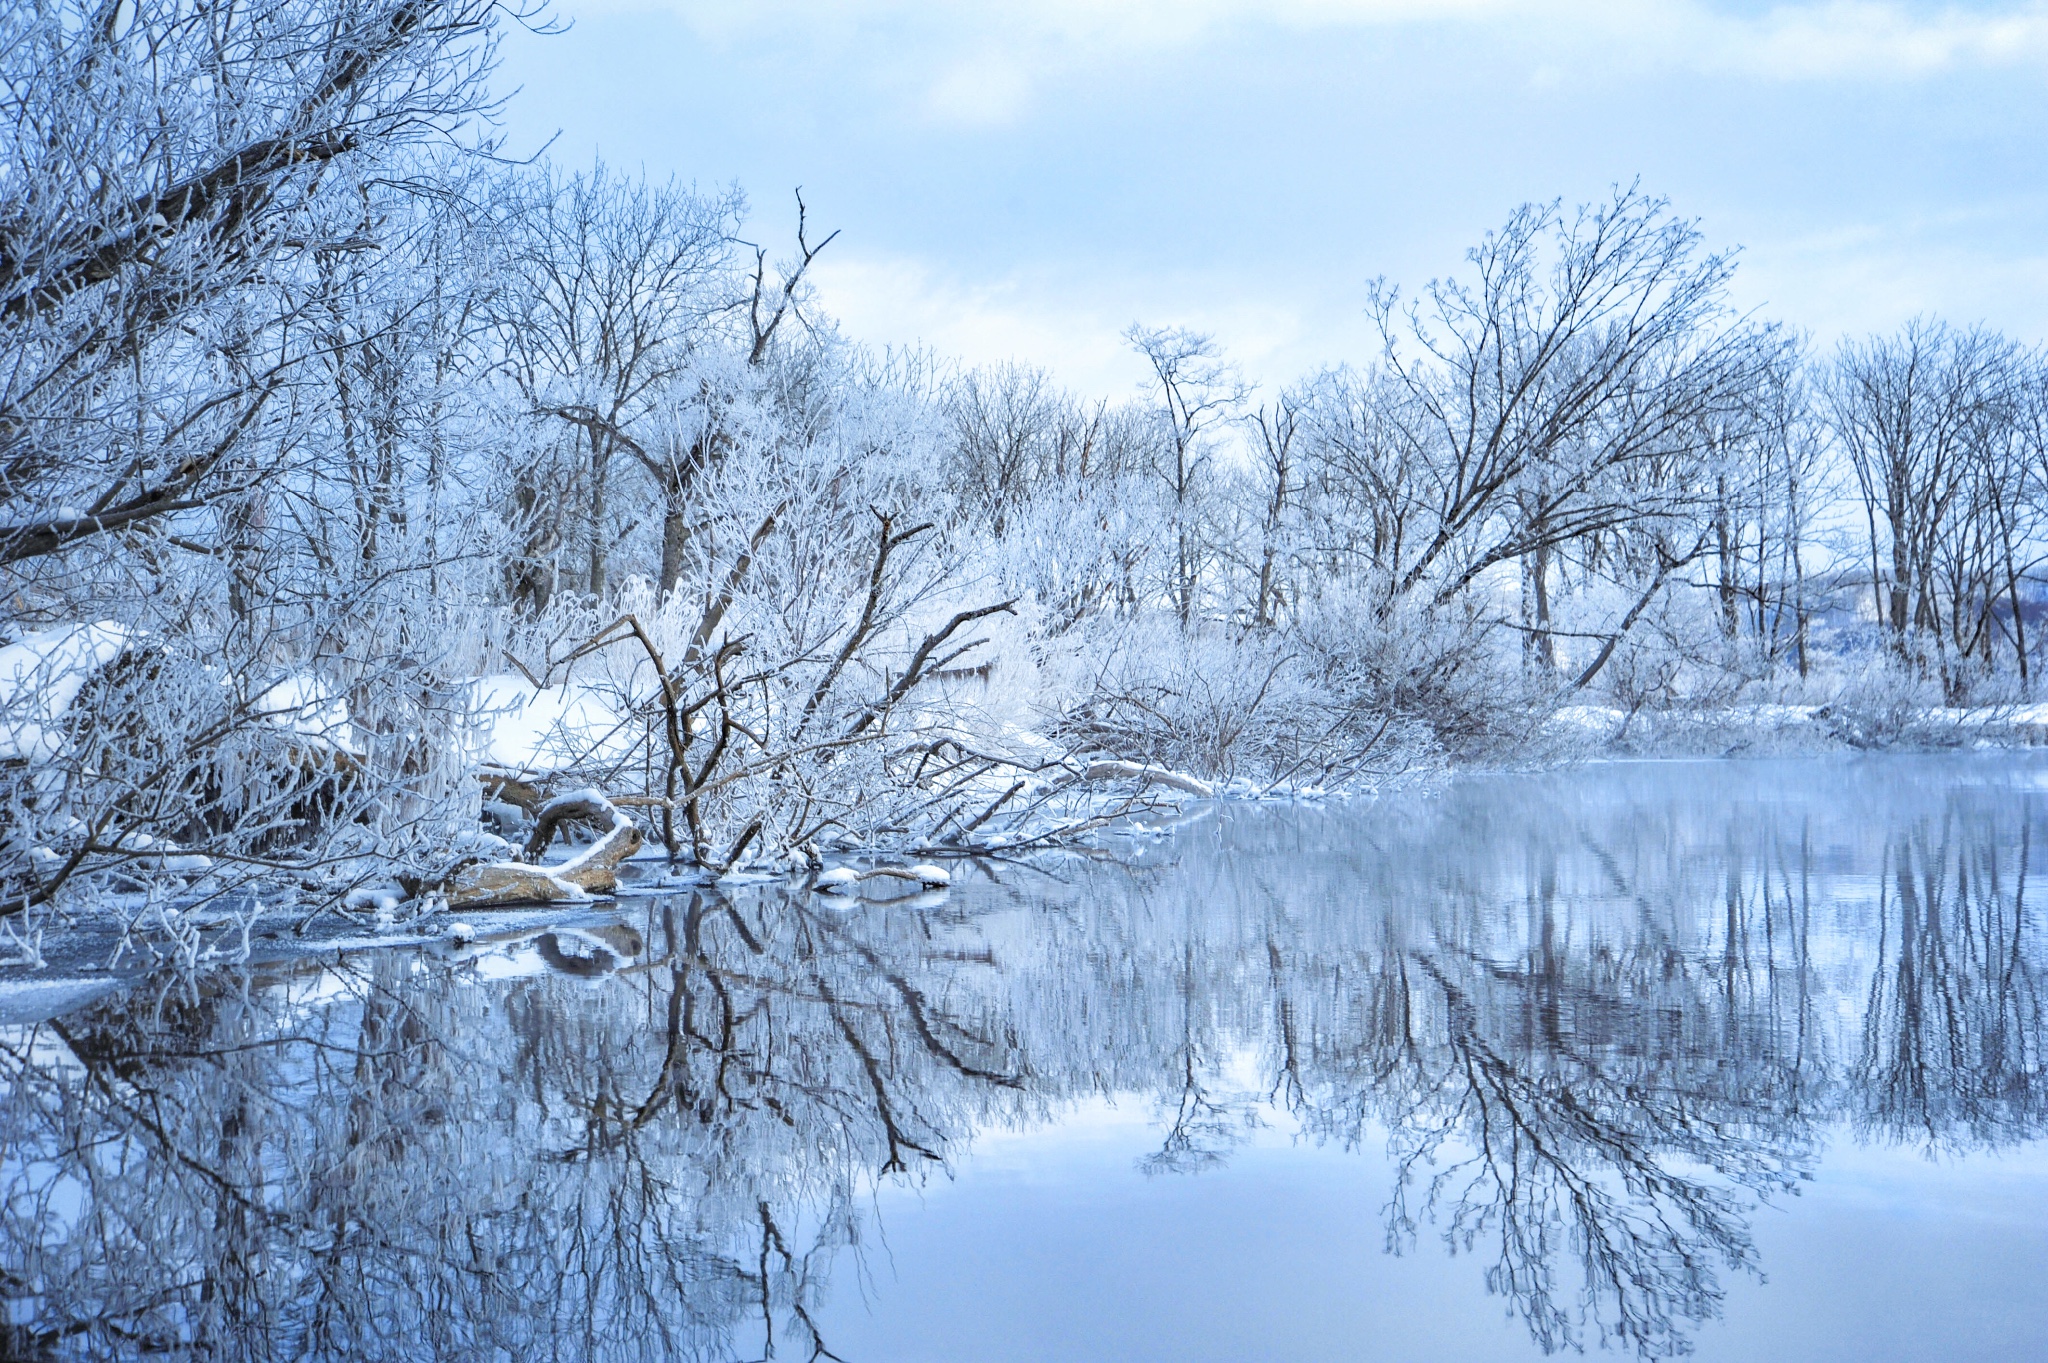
<point>1009,420</point>
<point>1914,414</point>
<point>1282,485</point>
<point>1585,346</point>
<point>1196,390</point>
<point>237,355</point>
<point>716,402</point>
<point>170,169</point>
<point>616,285</point>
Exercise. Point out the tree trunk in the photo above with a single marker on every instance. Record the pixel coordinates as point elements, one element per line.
<point>1726,548</point>
<point>600,460</point>
<point>675,536</point>
<point>592,871</point>
<point>1538,649</point>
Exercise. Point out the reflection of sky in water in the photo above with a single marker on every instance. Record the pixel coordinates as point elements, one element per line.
<point>1049,1245</point>
<point>1742,1056</point>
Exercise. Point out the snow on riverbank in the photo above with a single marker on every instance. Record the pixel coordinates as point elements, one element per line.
<point>532,731</point>
<point>1797,728</point>
<point>41,674</point>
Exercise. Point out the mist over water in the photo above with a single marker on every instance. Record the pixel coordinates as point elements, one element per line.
<point>1745,1058</point>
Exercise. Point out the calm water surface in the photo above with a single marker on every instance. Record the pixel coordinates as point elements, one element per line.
<point>1743,1059</point>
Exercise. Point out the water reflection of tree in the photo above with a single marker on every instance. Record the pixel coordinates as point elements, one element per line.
<point>1952,1037</point>
<point>1574,1153</point>
<point>1600,1056</point>
<point>1561,1102</point>
<point>1595,1036</point>
<point>379,1159</point>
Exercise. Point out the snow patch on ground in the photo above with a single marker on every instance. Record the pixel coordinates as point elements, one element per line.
<point>305,705</point>
<point>1601,721</point>
<point>41,674</point>
<point>522,728</point>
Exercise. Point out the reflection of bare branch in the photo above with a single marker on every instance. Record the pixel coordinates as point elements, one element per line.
<point>771,1239</point>
<point>1949,1055</point>
<point>1581,1168</point>
<point>1204,1126</point>
<point>453,1167</point>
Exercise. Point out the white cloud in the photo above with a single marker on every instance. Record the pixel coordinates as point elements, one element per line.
<point>1865,278</point>
<point>983,90</point>
<point>1851,38</point>
<point>902,301</point>
<point>980,63</point>
<point>1072,325</point>
<point>1102,237</point>
<point>1845,280</point>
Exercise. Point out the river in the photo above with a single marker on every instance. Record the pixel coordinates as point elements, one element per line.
<point>1738,1058</point>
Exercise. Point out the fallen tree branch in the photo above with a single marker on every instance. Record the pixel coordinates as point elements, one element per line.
<point>593,871</point>
<point>1144,775</point>
<point>521,795</point>
<point>842,879</point>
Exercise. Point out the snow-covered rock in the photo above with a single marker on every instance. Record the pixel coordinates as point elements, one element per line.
<point>41,674</point>
<point>842,879</point>
<point>384,899</point>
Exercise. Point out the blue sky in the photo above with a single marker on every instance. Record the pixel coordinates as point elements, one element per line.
<point>1027,180</point>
